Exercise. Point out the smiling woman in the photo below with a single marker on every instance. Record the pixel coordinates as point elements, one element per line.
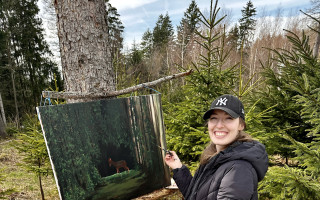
<point>223,129</point>
<point>232,164</point>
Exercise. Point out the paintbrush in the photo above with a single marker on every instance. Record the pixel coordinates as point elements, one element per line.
<point>166,150</point>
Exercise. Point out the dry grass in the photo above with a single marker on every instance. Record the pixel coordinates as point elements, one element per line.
<point>162,194</point>
<point>25,183</point>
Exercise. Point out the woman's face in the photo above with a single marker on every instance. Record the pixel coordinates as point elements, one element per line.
<point>223,129</point>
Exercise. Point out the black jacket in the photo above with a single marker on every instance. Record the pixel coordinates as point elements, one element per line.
<point>233,173</point>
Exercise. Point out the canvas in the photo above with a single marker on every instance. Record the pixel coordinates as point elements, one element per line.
<point>107,149</point>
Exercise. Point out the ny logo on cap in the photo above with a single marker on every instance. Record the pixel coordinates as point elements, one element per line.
<point>222,102</point>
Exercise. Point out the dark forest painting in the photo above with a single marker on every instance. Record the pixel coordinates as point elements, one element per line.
<point>107,149</point>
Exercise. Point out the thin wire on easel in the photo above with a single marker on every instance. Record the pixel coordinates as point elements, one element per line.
<point>45,100</point>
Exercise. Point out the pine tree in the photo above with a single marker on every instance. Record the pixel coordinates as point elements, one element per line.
<point>189,23</point>
<point>296,82</point>
<point>162,32</point>
<point>247,24</point>
<point>25,65</point>
<point>147,43</point>
<point>233,37</point>
<point>186,133</point>
<point>115,29</point>
<point>31,144</point>
<point>185,31</point>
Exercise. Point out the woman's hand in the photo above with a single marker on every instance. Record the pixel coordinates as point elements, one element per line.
<point>173,161</point>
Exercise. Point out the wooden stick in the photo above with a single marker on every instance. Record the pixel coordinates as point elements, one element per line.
<point>78,95</point>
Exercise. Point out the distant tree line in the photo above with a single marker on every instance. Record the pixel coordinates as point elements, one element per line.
<point>25,65</point>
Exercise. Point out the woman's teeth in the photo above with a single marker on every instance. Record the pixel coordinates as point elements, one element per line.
<point>220,133</point>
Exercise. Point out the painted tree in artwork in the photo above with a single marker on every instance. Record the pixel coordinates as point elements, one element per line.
<point>85,51</point>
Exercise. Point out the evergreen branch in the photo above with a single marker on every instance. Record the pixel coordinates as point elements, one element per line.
<point>266,110</point>
<point>251,87</point>
<point>301,146</point>
<point>219,20</point>
<point>289,183</point>
<point>246,85</point>
<point>205,22</point>
<point>200,35</point>
<point>198,70</point>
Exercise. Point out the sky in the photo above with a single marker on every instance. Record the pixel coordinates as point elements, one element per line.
<point>139,15</point>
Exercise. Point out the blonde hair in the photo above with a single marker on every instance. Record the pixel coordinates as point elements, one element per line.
<point>211,150</point>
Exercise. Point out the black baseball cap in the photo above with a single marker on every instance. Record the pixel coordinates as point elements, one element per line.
<point>228,103</point>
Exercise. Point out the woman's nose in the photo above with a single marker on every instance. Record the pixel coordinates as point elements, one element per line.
<point>220,123</point>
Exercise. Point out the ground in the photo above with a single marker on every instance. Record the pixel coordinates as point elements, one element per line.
<point>26,184</point>
<point>170,194</point>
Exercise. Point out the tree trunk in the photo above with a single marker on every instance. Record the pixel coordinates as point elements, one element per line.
<point>85,52</point>
<point>41,188</point>
<point>3,133</point>
<point>12,71</point>
<point>317,44</point>
<point>2,113</point>
<point>40,181</point>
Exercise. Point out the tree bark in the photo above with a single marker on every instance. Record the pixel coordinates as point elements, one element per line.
<point>85,52</point>
<point>12,66</point>
<point>40,181</point>
<point>3,133</point>
<point>317,44</point>
<point>2,113</point>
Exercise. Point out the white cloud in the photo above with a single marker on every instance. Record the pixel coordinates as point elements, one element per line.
<point>239,4</point>
<point>132,4</point>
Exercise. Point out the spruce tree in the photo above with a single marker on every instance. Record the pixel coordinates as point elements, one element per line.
<point>186,133</point>
<point>189,23</point>
<point>25,66</point>
<point>233,37</point>
<point>247,24</point>
<point>147,43</point>
<point>31,144</point>
<point>115,29</point>
<point>185,31</point>
<point>162,32</point>
<point>295,82</point>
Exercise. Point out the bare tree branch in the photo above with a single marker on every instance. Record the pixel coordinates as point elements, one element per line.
<point>77,95</point>
<point>317,43</point>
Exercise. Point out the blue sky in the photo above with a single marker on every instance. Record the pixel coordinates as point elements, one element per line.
<point>139,15</point>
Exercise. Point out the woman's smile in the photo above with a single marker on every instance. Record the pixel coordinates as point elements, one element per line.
<point>220,134</point>
<point>223,129</point>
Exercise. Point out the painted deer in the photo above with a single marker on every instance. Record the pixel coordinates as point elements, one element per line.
<point>118,164</point>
